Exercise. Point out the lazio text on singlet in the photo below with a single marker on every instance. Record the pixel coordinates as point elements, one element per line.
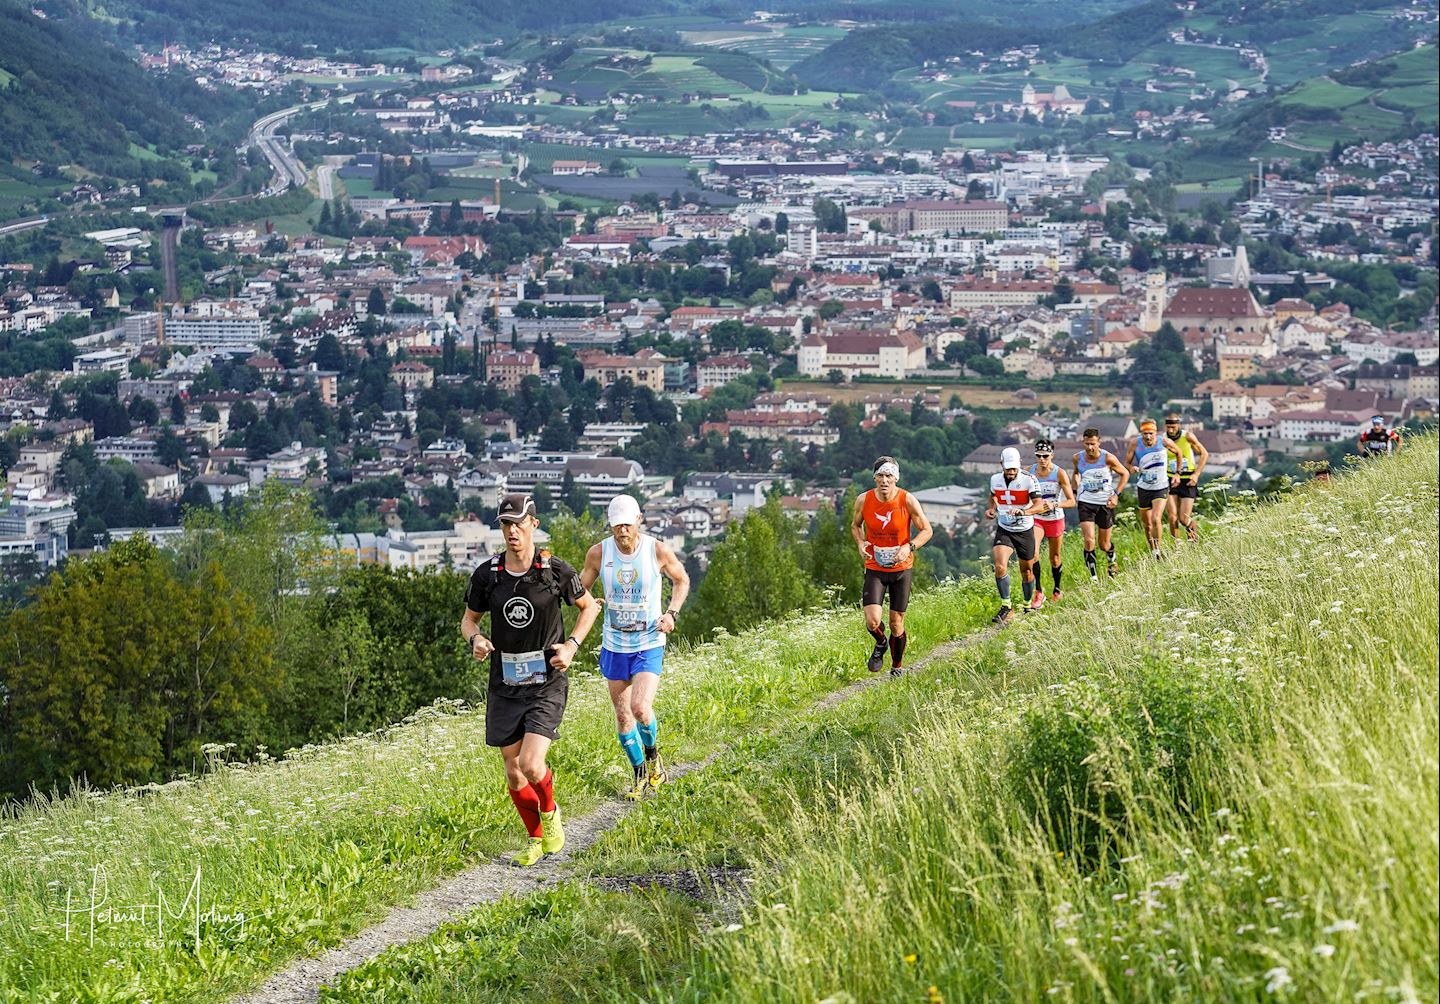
<point>632,596</point>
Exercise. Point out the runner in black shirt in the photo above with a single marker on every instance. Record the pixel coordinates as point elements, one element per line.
<point>523,591</point>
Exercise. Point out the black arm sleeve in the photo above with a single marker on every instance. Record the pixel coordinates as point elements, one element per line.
<point>568,580</point>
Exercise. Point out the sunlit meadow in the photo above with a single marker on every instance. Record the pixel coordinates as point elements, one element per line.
<point>255,864</point>
<point>1235,797</point>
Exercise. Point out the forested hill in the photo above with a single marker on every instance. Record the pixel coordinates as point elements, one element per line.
<point>68,97</point>
<point>360,24</point>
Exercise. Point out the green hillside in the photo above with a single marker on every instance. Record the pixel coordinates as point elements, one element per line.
<point>1202,784</point>
<point>1197,782</point>
<point>69,98</point>
<point>1387,99</point>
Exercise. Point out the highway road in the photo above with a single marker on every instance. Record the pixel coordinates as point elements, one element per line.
<point>289,171</point>
<point>19,225</point>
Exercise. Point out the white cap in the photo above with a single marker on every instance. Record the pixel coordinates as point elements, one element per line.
<point>623,509</point>
<point>1010,459</point>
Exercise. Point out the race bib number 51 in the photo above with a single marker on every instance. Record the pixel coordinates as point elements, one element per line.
<point>523,669</point>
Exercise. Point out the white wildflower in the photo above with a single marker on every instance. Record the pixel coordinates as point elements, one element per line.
<point>1278,980</point>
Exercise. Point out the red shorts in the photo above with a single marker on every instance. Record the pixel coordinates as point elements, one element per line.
<point>1051,527</point>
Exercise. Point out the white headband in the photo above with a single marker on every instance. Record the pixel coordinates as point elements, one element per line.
<point>889,467</point>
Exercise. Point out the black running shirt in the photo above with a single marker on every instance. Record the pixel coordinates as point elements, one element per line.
<point>525,613</point>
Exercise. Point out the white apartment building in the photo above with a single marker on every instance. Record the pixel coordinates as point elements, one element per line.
<point>217,325</point>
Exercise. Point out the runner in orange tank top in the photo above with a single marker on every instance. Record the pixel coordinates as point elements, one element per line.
<point>881,525</point>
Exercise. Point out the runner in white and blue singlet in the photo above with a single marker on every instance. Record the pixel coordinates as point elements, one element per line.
<point>1097,491</point>
<point>1148,458</point>
<point>631,567</point>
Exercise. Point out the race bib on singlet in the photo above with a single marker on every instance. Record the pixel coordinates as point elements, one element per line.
<point>1093,481</point>
<point>885,556</point>
<point>1011,520</point>
<point>523,669</point>
<point>627,617</point>
<point>1152,476</point>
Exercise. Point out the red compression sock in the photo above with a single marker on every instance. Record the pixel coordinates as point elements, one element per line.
<point>544,790</point>
<point>528,805</point>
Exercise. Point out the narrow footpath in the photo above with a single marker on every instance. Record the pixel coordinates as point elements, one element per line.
<point>300,982</point>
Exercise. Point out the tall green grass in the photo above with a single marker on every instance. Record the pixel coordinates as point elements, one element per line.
<point>314,846</point>
<point>1216,782</point>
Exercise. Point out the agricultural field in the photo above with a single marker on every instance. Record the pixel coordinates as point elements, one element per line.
<point>972,395</point>
<point>658,180</point>
<point>14,192</point>
<point>1367,112</point>
<point>590,74</point>
<point>782,46</point>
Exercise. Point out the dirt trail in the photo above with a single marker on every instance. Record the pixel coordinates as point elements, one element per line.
<point>491,881</point>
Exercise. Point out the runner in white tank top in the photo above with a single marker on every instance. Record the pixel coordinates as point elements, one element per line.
<point>1057,490</point>
<point>632,567</point>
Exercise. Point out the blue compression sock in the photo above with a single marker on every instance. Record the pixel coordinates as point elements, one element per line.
<point>1028,587</point>
<point>1002,582</point>
<point>630,743</point>
<point>647,732</point>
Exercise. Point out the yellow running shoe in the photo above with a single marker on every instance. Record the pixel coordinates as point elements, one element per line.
<point>553,833</point>
<point>636,791</point>
<point>656,769</point>
<point>531,853</point>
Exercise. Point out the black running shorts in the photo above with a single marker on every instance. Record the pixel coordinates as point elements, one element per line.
<point>1101,515</point>
<point>1185,490</point>
<point>1022,542</point>
<point>877,584</point>
<point>509,719</point>
<point>1148,497</point>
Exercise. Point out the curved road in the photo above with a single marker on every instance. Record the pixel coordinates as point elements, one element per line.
<point>289,171</point>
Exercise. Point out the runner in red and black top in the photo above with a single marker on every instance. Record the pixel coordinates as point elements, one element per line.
<point>523,591</point>
<point>881,523</point>
<point>1377,441</point>
<point>1015,501</point>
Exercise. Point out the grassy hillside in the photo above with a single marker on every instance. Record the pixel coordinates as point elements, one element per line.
<point>315,846</point>
<point>1212,781</point>
<point>1202,780</point>
<point>1391,98</point>
<point>1299,38</point>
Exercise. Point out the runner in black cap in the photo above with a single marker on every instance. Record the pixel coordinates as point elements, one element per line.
<point>523,591</point>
